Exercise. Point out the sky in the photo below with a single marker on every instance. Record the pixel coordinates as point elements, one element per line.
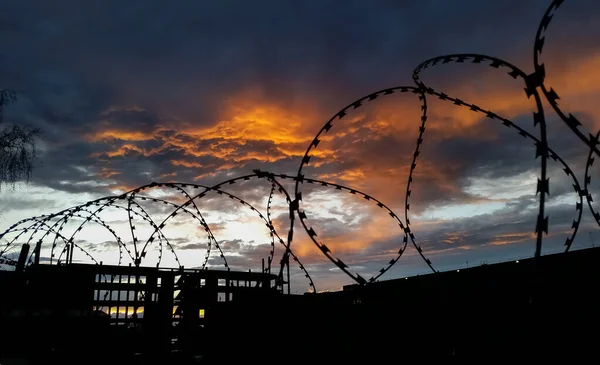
<point>129,93</point>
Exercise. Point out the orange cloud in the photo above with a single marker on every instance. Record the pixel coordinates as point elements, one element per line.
<point>452,237</point>
<point>166,176</point>
<point>107,173</point>
<point>351,244</point>
<point>578,86</point>
<point>118,134</point>
<point>123,150</point>
<point>185,163</point>
<point>267,123</point>
<point>243,120</point>
<point>120,188</point>
<point>348,175</point>
<point>509,238</point>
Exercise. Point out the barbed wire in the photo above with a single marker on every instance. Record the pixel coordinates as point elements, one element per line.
<point>534,86</point>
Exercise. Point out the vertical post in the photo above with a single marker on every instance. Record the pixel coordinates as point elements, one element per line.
<point>22,257</point>
<point>68,254</point>
<point>36,252</point>
<point>288,275</point>
<point>263,264</point>
<point>70,261</point>
<point>165,305</point>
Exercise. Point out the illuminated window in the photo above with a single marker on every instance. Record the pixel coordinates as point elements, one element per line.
<point>131,312</point>
<point>222,282</point>
<point>220,297</point>
<point>202,282</point>
<point>201,313</point>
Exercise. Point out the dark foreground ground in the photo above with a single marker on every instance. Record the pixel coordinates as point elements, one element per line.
<point>507,313</point>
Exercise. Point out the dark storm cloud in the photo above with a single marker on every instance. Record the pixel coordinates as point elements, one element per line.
<point>133,121</point>
<point>73,62</point>
<point>15,201</point>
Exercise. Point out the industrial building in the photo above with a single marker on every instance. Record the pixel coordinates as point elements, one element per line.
<point>520,310</point>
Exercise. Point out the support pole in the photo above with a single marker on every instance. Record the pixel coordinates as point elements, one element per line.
<point>22,258</point>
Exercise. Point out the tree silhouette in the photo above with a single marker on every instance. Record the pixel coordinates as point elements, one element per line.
<point>17,146</point>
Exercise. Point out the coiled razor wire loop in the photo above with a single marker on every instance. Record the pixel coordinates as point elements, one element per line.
<point>301,179</point>
<point>532,82</point>
<point>538,118</point>
<point>140,252</point>
<point>537,79</point>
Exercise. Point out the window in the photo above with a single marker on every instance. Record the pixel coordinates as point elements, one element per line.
<point>222,282</point>
<point>130,312</point>
<point>220,297</point>
<point>201,313</point>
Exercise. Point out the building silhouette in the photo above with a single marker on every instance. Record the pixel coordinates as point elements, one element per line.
<point>530,310</point>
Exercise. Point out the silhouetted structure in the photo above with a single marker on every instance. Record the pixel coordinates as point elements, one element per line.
<point>151,311</point>
<point>83,313</point>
